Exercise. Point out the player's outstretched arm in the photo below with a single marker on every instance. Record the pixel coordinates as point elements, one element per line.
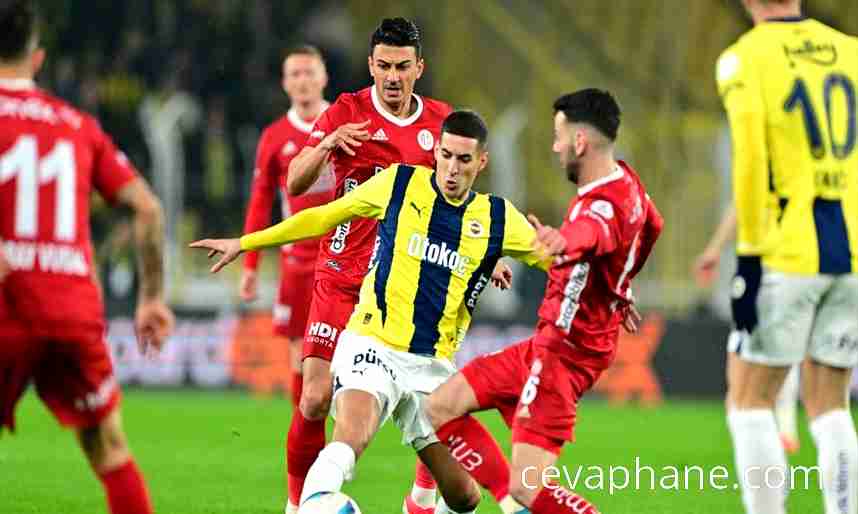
<point>153,320</point>
<point>307,224</point>
<point>306,167</point>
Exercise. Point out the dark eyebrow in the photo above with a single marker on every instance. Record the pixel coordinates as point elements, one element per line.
<point>455,154</point>
<point>397,64</point>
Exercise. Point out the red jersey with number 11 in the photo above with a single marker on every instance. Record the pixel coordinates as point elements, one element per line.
<point>51,158</point>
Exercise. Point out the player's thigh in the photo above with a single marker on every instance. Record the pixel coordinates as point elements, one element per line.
<point>422,376</point>
<point>74,376</point>
<point>360,364</point>
<point>834,339</point>
<point>18,355</point>
<point>330,309</point>
<point>786,309</point>
<point>496,379</point>
<point>452,399</point>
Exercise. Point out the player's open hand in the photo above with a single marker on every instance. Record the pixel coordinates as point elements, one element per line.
<point>549,241</point>
<point>705,267</point>
<point>229,248</point>
<point>631,318</point>
<point>153,323</point>
<point>249,288</point>
<point>347,137</point>
<point>502,276</point>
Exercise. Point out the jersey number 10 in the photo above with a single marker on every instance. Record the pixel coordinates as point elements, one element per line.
<point>22,161</point>
<point>800,97</point>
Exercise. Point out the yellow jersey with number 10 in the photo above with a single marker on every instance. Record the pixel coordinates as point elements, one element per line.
<point>789,88</point>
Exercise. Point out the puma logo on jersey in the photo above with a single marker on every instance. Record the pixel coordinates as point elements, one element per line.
<point>422,248</point>
<point>418,209</point>
<point>379,135</point>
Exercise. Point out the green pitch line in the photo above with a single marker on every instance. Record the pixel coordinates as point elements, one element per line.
<point>223,452</point>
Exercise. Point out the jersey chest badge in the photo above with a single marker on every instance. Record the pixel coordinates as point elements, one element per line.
<point>425,139</point>
<point>475,228</point>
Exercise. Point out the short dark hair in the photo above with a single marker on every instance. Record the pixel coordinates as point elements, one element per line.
<point>466,123</point>
<point>594,107</point>
<point>18,26</point>
<point>396,32</point>
<point>304,50</point>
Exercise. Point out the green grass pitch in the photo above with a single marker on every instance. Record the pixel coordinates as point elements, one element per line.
<point>222,452</point>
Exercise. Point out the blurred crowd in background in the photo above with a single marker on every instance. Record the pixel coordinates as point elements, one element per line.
<point>186,86</point>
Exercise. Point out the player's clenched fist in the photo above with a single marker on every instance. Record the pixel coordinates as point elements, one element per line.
<point>230,248</point>
<point>346,137</point>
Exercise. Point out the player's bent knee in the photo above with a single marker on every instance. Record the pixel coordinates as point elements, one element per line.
<point>467,501</point>
<point>437,411</point>
<point>315,400</point>
<point>105,444</point>
<point>524,485</point>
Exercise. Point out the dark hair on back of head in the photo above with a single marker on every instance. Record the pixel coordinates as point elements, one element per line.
<point>396,32</point>
<point>304,50</point>
<point>594,107</point>
<point>466,123</point>
<point>18,27</point>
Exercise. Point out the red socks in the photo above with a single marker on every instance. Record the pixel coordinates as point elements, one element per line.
<point>295,388</point>
<point>126,490</point>
<point>306,439</point>
<point>561,501</point>
<point>476,450</point>
<point>423,477</point>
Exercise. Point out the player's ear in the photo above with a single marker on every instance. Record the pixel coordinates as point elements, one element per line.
<point>484,159</point>
<point>38,59</point>
<point>421,65</point>
<point>369,65</point>
<point>580,142</point>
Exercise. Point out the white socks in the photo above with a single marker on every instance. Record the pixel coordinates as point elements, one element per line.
<point>760,461</point>
<point>422,496</point>
<point>442,508</point>
<point>837,454</point>
<point>334,465</point>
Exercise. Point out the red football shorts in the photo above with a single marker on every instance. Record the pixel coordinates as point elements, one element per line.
<point>329,313</point>
<point>69,365</point>
<point>293,300</point>
<point>536,388</point>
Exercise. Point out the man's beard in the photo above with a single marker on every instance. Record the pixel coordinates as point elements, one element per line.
<point>573,169</point>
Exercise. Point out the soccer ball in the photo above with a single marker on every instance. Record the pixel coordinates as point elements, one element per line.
<point>329,503</point>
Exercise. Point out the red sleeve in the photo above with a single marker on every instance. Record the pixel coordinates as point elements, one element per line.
<point>593,231</point>
<point>262,192</point>
<point>111,168</point>
<point>338,113</point>
<point>649,234</point>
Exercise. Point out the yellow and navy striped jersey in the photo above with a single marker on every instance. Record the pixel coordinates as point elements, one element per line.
<point>788,86</point>
<point>432,259</point>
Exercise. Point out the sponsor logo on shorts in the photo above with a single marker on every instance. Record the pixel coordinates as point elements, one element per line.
<point>338,243</point>
<point>322,333</point>
<point>99,398</point>
<point>439,254</point>
<point>469,458</point>
<point>371,358</point>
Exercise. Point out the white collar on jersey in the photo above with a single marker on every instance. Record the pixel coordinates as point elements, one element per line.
<point>17,84</point>
<point>395,119</point>
<point>300,124</point>
<point>616,175</point>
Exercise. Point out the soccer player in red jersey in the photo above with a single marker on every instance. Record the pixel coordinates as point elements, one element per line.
<point>360,134</point>
<point>51,314</point>
<point>609,231</point>
<point>304,80</point>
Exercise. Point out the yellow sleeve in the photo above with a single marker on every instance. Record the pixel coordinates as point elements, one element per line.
<point>518,239</point>
<point>741,92</point>
<point>368,200</point>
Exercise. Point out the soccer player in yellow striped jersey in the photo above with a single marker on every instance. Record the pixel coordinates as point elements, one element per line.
<point>789,88</point>
<point>438,243</point>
